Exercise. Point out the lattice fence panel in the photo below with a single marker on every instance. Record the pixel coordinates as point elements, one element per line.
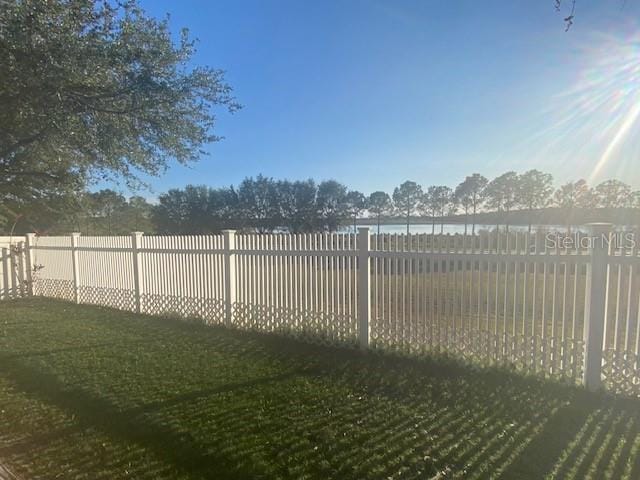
<point>314,326</point>
<point>108,297</point>
<point>211,311</point>
<point>53,288</point>
<point>621,372</point>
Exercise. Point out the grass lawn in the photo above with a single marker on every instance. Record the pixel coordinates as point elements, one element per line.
<point>93,393</point>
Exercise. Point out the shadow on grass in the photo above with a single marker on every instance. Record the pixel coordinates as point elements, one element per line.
<point>129,425</point>
<point>206,402</point>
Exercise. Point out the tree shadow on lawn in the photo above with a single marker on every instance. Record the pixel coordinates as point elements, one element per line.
<point>129,425</point>
<point>318,412</point>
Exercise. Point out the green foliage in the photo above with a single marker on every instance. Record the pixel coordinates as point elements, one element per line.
<point>470,195</point>
<point>613,194</point>
<point>137,215</point>
<point>407,198</point>
<point>355,202</point>
<point>502,192</point>
<point>104,212</point>
<point>436,200</point>
<point>196,210</point>
<point>107,212</point>
<point>331,204</point>
<point>260,204</point>
<point>41,214</point>
<point>534,189</point>
<point>94,89</point>
<point>574,195</point>
<point>298,209</point>
<point>608,195</point>
<point>379,203</point>
<point>105,205</point>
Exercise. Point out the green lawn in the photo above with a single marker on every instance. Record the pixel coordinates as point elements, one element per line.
<point>91,393</point>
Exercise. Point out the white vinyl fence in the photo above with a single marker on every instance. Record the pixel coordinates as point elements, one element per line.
<point>570,313</point>
<point>7,241</point>
<point>14,271</point>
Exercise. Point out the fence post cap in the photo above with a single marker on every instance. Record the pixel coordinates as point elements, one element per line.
<point>30,235</point>
<point>363,229</point>
<point>75,234</point>
<point>137,234</point>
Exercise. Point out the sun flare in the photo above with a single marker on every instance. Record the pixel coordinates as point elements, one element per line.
<point>597,115</point>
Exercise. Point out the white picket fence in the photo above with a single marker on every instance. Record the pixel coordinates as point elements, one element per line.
<point>7,241</point>
<point>570,313</point>
<point>14,272</point>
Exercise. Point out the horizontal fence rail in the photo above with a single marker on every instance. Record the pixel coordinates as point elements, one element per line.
<point>569,311</point>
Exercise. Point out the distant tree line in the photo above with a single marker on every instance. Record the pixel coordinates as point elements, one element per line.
<point>105,212</point>
<point>527,192</point>
<point>263,204</point>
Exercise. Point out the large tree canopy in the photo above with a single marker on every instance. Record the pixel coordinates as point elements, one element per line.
<point>91,89</point>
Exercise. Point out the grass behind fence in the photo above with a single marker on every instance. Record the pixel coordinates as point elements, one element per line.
<point>92,393</point>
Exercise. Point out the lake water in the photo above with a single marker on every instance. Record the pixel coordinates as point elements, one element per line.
<point>455,228</point>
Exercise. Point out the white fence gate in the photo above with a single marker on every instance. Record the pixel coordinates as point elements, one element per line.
<point>568,312</point>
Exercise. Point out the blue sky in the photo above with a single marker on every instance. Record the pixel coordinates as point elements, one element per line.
<point>372,93</point>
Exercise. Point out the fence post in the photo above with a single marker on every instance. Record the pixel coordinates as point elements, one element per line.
<point>5,272</point>
<point>29,244</point>
<point>76,272</point>
<point>364,287</point>
<point>595,304</point>
<point>229,274</point>
<point>13,271</point>
<point>136,241</point>
<point>20,260</point>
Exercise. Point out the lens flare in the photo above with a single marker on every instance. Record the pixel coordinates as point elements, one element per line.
<point>608,98</point>
<point>590,130</point>
<point>622,130</point>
